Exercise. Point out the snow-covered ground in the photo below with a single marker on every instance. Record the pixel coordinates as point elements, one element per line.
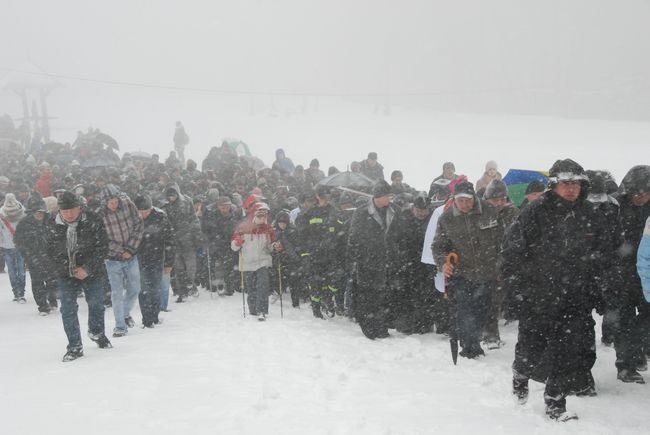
<point>208,370</point>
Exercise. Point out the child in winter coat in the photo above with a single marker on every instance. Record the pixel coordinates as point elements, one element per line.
<point>643,261</point>
<point>255,239</point>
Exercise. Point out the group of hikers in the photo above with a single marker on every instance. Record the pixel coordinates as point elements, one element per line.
<point>456,259</point>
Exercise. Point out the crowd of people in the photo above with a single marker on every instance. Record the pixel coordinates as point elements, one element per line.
<point>454,260</point>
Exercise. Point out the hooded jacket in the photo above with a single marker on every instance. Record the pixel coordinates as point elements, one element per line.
<point>186,228</point>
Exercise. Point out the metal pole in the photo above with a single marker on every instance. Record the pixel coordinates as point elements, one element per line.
<point>241,284</point>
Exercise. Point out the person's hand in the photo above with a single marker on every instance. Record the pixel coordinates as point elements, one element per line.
<point>167,270</point>
<point>80,273</point>
<point>277,246</point>
<point>447,270</point>
<point>238,239</point>
<point>126,255</point>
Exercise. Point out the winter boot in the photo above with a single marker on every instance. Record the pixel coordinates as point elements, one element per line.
<point>101,340</point>
<point>630,376</point>
<point>129,321</point>
<point>261,317</point>
<point>520,387</point>
<point>72,355</point>
<point>117,332</point>
<point>316,310</point>
<point>559,413</point>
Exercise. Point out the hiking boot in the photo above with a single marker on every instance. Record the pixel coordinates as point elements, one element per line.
<point>261,317</point>
<point>22,300</point>
<point>101,340</point>
<point>72,355</point>
<point>117,332</point>
<point>589,391</point>
<point>129,321</point>
<point>630,376</point>
<point>520,388</point>
<point>559,413</point>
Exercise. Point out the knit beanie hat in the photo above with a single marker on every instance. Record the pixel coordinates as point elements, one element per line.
<point>12,208</point>
<point>68,200</point>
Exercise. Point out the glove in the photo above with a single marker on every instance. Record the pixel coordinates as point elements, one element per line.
<point>238,239</point>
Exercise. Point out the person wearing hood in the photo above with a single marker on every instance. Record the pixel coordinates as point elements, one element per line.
<point>491,173</point>
<point>556,265</point>
<point>632,342</point>
<point>186,230</point>
<point>77,245</point>
<point>30,239</point>
<point>155,256</point>
<point>286,263</point>
<point>373,253</point>
<point>124,228</point>
<point>282,164</point>
<point>255,240</point>
<point>11,213</point>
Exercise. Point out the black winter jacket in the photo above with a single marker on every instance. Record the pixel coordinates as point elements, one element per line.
<point>156,248</point>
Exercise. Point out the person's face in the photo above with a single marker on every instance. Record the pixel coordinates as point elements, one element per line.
<point>172,198</point>
<point>144,213</point>
<point>224,209</point>
<point>323,199</point>
<point>492,172</point>
<point>465,205</point>
<point>420,213</point>
<point>71,214</point>
<point>382,201</point>
<point>448,171</point>
<point>113,203</point>
<point>22,196</point>
<point>282,225</point>
<point>533,196</point>
<point>568,190</point>
<point>640,199</point>
<point>260,218</point>
<point>39,216</point>
<point>309,203</point>
<point>499,203</point>
<point>372,162</point>
<point>397,180</point>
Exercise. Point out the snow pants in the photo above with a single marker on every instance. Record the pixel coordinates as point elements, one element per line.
<point>258,284</point>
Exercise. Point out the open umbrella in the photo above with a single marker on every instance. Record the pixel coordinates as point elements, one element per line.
<point>517,181</point>
<point>347,179</point>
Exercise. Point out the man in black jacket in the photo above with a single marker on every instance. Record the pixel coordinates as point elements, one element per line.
<point>77,245</point>
<point>154,254</point>
<point>372,248</point>
<point>30,239</point>
<point>218,225</point>
<point>557,261</point>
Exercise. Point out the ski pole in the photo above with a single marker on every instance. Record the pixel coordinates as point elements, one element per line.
<point>207,250</point>
<point>241,284</point>
<point>280,288</point>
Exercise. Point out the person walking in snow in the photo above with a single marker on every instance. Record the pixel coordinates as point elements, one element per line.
<point>11,214</point>
<point>626,299</point>
<point>557,261</point>
<point>125,228</point>
<point>77,245</point>
<point>181,139</point>
<point>255,240</point>
<point>31,241</point>
<point>471,229</point>
<point>373,251</point>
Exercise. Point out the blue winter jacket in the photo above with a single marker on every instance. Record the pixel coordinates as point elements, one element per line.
<point>643,261</point>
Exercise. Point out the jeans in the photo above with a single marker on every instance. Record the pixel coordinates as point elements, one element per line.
<point>184,272</point>
<point>16,269</point>
<point>150,279</point>
<point>469,300</point>
<point>164,291</point>
<point>70,288</point>
<point>124,277</point>
<point>257,285</point>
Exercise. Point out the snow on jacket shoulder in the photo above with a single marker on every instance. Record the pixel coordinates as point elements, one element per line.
<point>643,261</point>
<point>257,247</point>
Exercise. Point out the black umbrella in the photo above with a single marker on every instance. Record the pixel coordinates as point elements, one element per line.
<point>346,179</point>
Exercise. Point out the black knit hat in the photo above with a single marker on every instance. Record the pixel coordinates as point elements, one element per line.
<point>35,203</point>
<point>68,200</point>
<point>381,188</point>
<point>143,201</point>
<point>496,189</point>
<point>535,186</point>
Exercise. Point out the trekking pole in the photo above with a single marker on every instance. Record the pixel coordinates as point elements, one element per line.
<point>280,288</point>
<point>207,250</point>
<point>241,283</point>
<point>452,260</point>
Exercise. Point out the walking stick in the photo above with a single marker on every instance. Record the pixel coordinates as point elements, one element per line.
<point>241,284</point>
<point>280,287</point>
<point>452,260</point>
<point>207,250</point>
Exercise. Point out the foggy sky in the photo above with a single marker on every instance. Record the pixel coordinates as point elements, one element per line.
<point>580,58</point>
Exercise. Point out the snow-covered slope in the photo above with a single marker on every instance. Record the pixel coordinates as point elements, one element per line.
<point>208,370</point>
